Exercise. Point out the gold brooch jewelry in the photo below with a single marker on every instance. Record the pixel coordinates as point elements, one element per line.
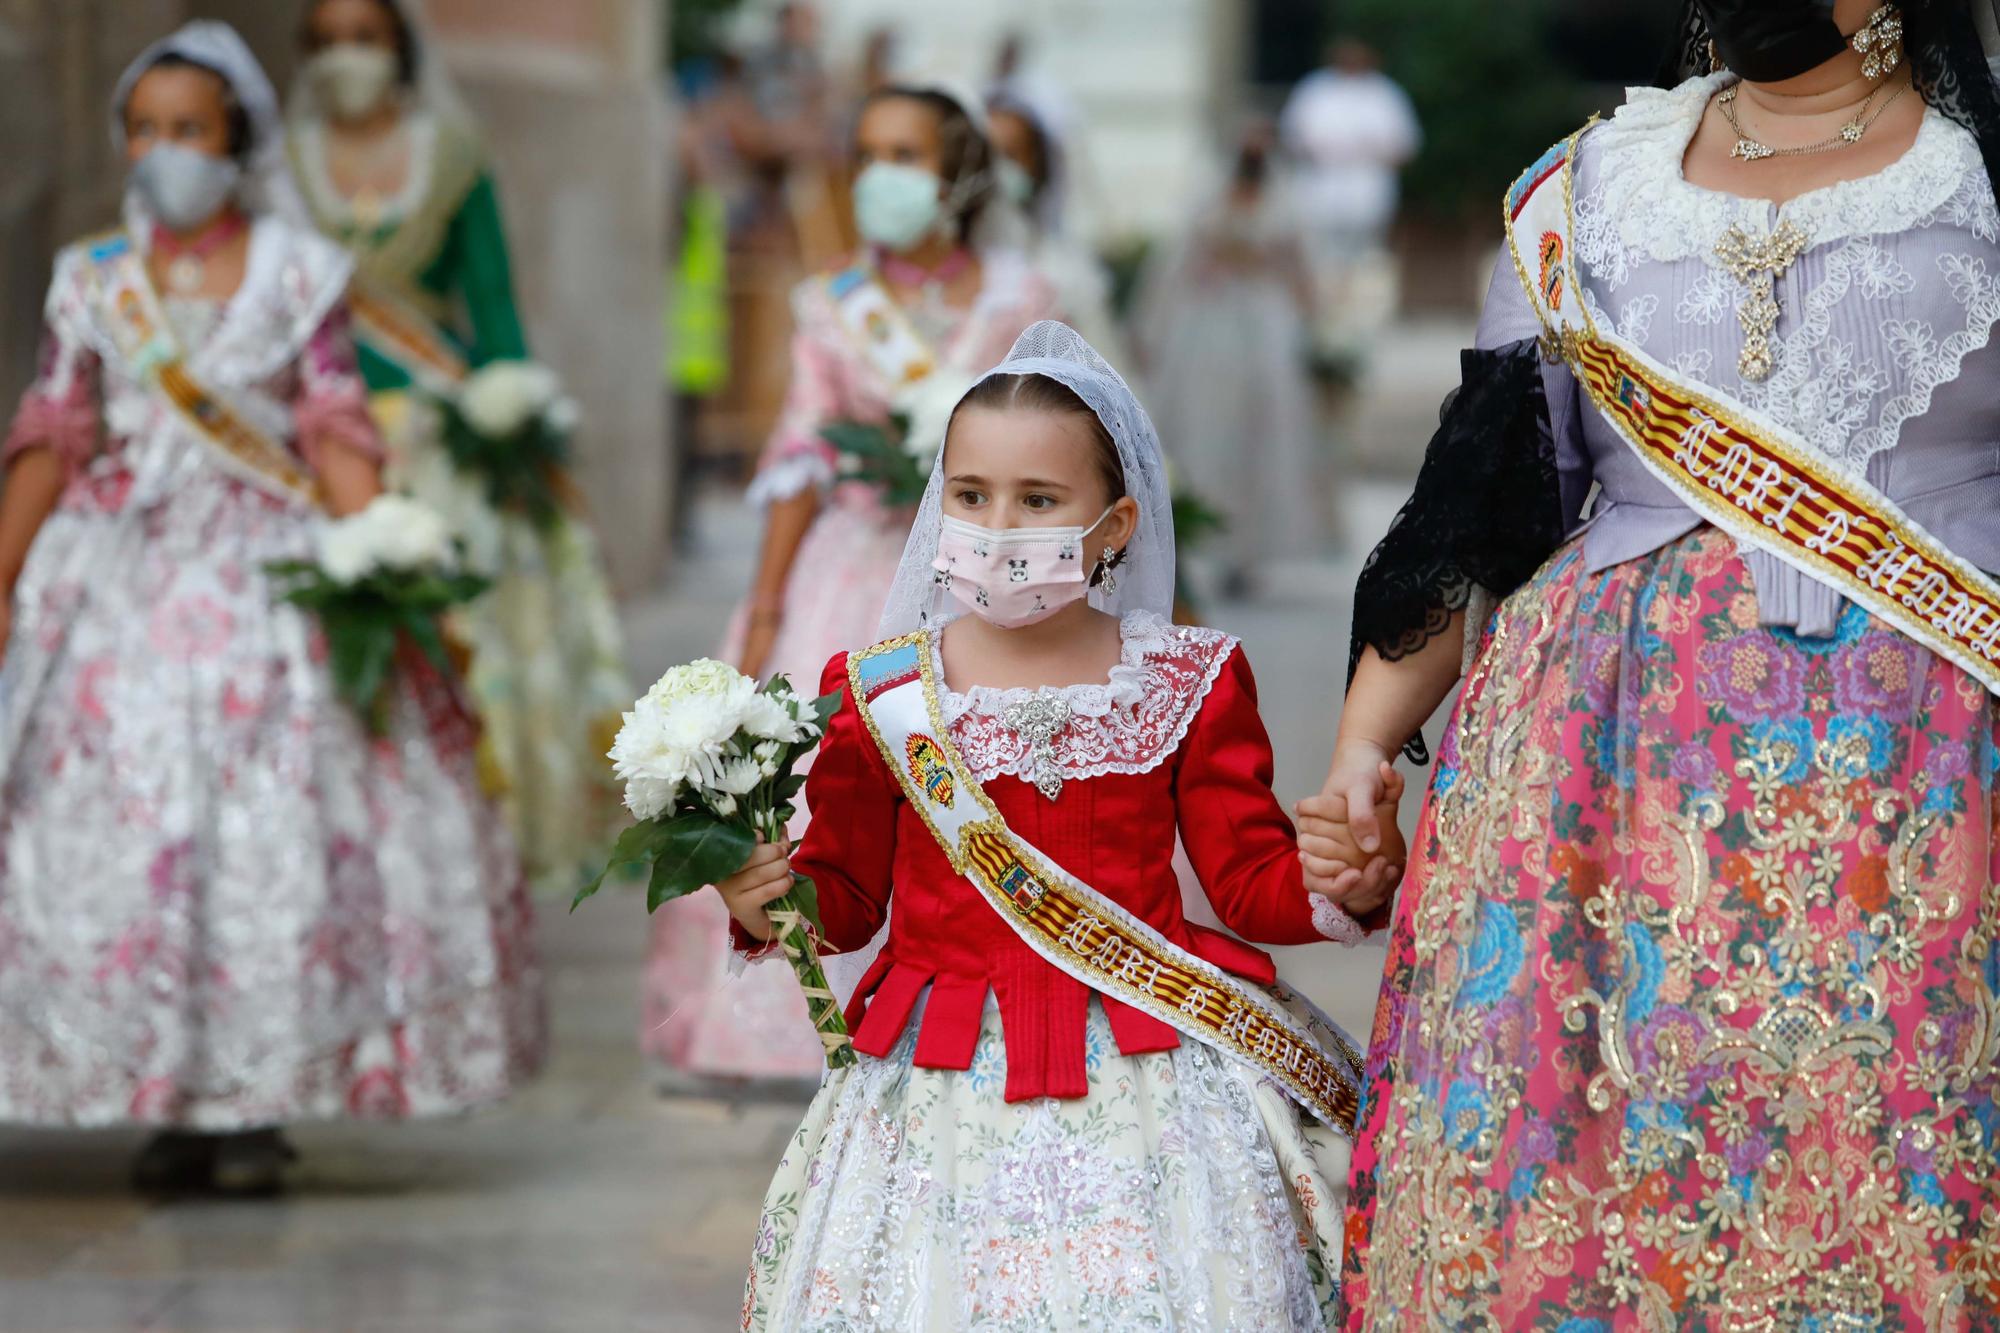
<point>1756,263</point>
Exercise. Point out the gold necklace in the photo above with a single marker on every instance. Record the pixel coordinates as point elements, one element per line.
<point>1754,150</point>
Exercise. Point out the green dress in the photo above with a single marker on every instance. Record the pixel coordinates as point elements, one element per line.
<point>546,666</point>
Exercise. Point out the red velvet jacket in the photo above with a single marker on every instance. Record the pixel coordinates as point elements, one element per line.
<point>1207,768</point>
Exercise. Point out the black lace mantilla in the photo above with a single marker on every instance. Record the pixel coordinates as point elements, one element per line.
<point>1486,512</point>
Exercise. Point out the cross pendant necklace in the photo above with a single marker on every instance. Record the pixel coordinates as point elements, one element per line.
<point>1756,262</point>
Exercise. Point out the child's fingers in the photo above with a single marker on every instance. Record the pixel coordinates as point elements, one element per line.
<point>1323,808</point>
<point>765,894</point>
<point>1343,849</point>
<point>1326,867</point>
<point>1335,887</point>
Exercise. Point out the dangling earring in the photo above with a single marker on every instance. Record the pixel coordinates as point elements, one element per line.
<point>1101,577</point>
<point>1714,57</point>
<point>1879,42</point>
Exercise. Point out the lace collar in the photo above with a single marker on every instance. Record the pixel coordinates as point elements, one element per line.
<point>316,175</point>
<point>1131,722</point>
<point>1641,200</point>
<point>1145,636</point>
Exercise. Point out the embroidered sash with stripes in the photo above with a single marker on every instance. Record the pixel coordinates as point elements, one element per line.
<point>879,328</point>
<point>1070,924</point>
<point>404,336</point>
<point>1749,477</point>
<point>122,292</point>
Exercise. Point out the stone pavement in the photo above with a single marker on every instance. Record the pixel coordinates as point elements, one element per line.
<point>590,1203</point>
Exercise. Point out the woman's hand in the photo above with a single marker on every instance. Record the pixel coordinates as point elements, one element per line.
<point>1349,842</point>
<point>764,878</point>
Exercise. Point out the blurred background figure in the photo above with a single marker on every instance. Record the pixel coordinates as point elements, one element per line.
<point>390,164</point>
<point>1031,175</point>
<point>1351,129</point>
<point>883,347</point>
<point>1222,321</point>
<point>225,906</point>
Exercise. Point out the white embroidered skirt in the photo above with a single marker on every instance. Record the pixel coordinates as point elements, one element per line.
<point>1183,1192</point>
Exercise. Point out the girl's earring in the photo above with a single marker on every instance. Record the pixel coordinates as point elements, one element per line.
<point>1102,577</point>
<point>1714,58</point>
<point>1879,43</point>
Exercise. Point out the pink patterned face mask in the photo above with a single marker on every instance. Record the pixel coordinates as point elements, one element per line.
<point>1012,577</point>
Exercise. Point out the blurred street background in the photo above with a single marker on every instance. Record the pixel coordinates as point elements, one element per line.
<point>667,176</point>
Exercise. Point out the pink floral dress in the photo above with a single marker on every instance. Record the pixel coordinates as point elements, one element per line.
<point>222,904</point>
<point>696,1016</point>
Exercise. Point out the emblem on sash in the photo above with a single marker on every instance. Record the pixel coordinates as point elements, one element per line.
<point>930,768</point>
<point>1552,267</point>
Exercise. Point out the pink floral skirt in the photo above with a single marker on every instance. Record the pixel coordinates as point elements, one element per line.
<point>698,1017</point>
<point>1692,1009</point>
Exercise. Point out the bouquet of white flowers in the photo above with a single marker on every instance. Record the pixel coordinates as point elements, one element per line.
<point>897,458</point>
<point>707,760</point>
<point>377,579</point>
<point>510,425</point>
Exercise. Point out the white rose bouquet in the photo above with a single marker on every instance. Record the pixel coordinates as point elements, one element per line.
<point>510,425</point>
<point>708,763</point>
<point>378,579</point>
<point>897,458</point>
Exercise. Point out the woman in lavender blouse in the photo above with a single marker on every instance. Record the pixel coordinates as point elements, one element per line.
<point>1692,1008</point>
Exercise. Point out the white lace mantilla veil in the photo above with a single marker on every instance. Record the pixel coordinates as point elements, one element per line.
<point>1145,579</point>
<point>435,90</point>
<point>267,183</point>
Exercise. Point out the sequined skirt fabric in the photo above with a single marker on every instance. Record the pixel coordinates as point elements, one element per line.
<point>1180,1193</point>
<point>221,903</point>
<point>1692,1009</point>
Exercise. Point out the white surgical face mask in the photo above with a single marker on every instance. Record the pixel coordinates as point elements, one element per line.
<point>896,206</point>
<point>352,78</point>
<point>185,187</point>
<point>1017,187</point>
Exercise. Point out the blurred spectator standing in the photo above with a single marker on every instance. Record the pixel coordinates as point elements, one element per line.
<point>1350,128</point>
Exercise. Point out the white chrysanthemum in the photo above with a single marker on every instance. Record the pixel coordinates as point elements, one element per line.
<point>928,404</point>
<point>393,532</point>
<point>704,678</point>
<point>651,766</point>
<point>564,416</point>
<point>737,776</point>
<point>768,719</point>
<point>501,398</point>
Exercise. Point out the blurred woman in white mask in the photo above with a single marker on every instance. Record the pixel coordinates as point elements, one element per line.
<point>883,347</point>
<point>1033,171</point>
<point>390,164</point>
<point>225,906</point>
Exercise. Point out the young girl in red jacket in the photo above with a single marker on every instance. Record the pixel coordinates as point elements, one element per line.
<point>1073,1106</point>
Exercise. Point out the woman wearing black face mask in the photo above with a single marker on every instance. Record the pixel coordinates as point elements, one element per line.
<point>1688,1019</point>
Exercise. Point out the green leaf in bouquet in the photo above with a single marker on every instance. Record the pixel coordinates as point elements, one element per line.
<point>806,894</point>
<point>422,627</point>
<point>631,855</point>
<point>788,787</point>
<point>825,707</point>
<point>695,852</point>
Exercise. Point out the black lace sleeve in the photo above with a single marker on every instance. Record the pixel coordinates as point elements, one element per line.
<point>1487,511</point>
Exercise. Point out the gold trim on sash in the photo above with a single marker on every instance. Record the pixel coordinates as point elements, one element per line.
<point>132,311</point>
<point>403,335</point>
<point>880,328</point>
<point>1747,477</point>
<point>1083,933</point>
